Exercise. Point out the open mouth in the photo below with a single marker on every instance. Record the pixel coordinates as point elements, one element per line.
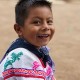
<point>43,36</point>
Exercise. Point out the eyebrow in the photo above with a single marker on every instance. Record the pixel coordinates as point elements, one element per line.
<point>41,18</point>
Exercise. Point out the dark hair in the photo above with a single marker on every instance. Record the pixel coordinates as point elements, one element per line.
<point>23,6</point>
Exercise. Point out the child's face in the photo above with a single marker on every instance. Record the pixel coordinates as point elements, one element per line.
<point>38,28</point>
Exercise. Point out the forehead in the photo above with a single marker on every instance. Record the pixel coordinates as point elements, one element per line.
<point>43,12</point>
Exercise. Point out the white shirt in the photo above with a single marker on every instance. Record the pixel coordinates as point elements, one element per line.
<point>21,64</point>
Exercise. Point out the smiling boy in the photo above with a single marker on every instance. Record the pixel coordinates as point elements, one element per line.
<point>27,58</point>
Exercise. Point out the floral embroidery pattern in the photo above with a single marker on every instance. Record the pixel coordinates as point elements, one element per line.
<point>49,74</point>
<point>49,70</point>
<point>35,64</point>
<point>14,57</point>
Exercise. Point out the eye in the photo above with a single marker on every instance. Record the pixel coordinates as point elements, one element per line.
<point>36,22</point>
<point>50,22</point>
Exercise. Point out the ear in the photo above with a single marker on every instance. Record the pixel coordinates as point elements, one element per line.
<point>18,29</point>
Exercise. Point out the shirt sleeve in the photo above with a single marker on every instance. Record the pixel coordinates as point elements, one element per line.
<point>20,64</point>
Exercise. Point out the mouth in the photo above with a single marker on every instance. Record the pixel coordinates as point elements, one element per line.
<point>43,36</point>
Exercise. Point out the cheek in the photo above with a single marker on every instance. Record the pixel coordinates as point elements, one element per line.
<point>52,31</point>
<point>31,32</point>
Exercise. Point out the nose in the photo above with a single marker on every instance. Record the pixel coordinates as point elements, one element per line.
<point>45,26</point>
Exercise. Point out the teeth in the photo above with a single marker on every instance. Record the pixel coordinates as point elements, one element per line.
<point>43,35</point>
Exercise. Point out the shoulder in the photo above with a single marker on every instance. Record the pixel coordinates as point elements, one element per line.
<point>19,58</point>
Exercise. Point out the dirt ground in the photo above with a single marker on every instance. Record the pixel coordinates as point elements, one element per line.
<point>65,45</point>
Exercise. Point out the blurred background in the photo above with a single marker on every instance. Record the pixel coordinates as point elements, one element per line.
<point>65,45</point>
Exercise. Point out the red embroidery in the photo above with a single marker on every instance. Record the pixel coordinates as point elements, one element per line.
<point>44,66</point>
<point>24,73</point>
<point>21,72</point>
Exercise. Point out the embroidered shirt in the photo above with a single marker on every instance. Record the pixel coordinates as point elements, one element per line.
<point>22,64</point>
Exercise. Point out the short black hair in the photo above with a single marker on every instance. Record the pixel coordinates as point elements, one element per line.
<point>23,6</point>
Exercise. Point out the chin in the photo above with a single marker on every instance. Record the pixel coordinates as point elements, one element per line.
<point>41,44</point>
<point>44,44</point>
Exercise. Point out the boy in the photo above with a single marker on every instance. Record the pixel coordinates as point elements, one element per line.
<point>27,58</point>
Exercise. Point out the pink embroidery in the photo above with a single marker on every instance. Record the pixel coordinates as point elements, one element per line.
<point>35,64</point>
<point>53,78</point>
<point>49,71</point>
